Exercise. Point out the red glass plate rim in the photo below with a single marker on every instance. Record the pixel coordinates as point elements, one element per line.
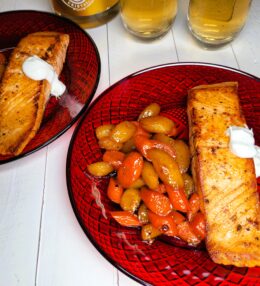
<point>202,64</point>
<point>86,105</point>
<point>77,129</point>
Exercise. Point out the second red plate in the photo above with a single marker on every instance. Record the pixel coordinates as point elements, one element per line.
<point>160,263</point>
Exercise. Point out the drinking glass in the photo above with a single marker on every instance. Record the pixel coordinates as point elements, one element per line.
<point>148,18</point>
<point>217,21</point>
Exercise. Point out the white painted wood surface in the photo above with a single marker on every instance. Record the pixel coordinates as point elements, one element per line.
<point>41,242</point>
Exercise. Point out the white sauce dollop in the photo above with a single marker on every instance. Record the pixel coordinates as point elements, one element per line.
<point>38,69</point>
<point>242,144</point>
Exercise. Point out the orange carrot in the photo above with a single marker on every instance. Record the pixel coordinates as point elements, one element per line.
<point>156,202</point>
<point>161,189</point>
<point>125,218</point>
<point>185,233</point>
<point>194,203</point>
<point>114,158</point>
<point>130,170</point>
<point>165,224</point>
<point>198,225</point>
<point>143,144</point>
<point>177,217</point>
<point>114,191</point>
<point>178,198</point>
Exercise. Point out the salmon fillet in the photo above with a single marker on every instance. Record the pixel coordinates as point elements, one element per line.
<point>23,100</point>
<point>226,183</point>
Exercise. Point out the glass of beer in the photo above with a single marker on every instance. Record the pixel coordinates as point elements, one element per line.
<point>148,18</point>
<point>217,22</point>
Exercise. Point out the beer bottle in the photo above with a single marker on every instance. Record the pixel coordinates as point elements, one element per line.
<point>87,13</point>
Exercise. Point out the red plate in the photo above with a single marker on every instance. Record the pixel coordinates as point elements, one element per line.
<point>160,263</point>
<point>80,73</point>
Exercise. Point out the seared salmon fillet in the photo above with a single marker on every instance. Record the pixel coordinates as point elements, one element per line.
<point>23,100</point>
<point>226,183</point>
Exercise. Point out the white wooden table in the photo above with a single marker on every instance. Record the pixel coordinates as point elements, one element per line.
<point>41,242</point>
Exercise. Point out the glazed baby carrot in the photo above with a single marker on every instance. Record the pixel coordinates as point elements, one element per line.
<point>194,203</point>
<point>130,170</point>
<point>156,202</point>
<point>161,189</point>
<point>114,191</point>
<point>177,217</point>
<point>198,225</point>
<point>178,198</point>
<point>185,233</point>
<point>125,218</point>
<point>114,158</point>
<point>144,144</point>
<point>165,224</point>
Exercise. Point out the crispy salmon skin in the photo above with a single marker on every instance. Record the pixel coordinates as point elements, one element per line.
<point>23,100</point>
<point>226,183</point>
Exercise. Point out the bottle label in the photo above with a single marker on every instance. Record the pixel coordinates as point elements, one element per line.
<point>89,7</point>
<point>78,5</point>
